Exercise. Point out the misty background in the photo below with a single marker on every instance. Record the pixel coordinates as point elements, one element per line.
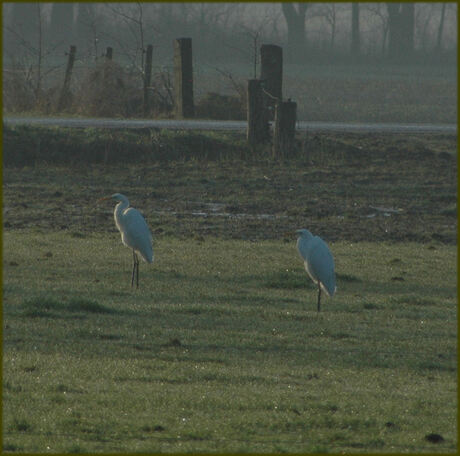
<point>371,52</point>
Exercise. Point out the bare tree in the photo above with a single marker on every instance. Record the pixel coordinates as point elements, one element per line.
<point>132,16</point>
<point>39,51</point>
<point>440,28</point>
<point>328,11</point>
<point>26,69</point>
<point>355,37</point>
<point>273,21</point>
<point>378,11</point>
<point>61,27</point>
<point>88,26</point>
<point>294,14</point>
<point>401,17</point>
<point>423,20</point>
<point>254,36</point>
<point>23,21</point>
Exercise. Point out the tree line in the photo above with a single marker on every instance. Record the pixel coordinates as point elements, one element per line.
<point>394,32</point>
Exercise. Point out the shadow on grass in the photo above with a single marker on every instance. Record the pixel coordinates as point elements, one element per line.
<point>52,308</point>
<point>291,279</point>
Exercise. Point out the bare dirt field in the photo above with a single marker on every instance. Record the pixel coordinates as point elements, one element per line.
<point>342,185</point>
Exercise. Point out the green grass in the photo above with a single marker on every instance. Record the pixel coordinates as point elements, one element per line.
<point>221,349</point>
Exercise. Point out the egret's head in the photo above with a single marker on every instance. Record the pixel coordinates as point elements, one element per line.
<point>116,196</point>
<point>303,233</point>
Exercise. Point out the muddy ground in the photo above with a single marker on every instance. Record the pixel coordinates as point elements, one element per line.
<point>344,187</point>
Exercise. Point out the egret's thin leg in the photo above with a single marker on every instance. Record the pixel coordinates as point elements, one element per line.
<point>134,267</point>
<point>319,295</point>
<point>137,271</point>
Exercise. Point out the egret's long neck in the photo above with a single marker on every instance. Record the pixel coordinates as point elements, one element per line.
<point>305,235</point>
<point>119,209</point>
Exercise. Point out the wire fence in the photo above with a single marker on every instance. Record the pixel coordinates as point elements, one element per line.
<point>208,79</point>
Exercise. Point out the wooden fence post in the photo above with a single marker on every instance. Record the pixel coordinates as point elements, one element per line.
<point>258,126</point>
<point>271,73</point>
<point>64,98</point>
<point>108,53</point>
<point>107,64</point>
<point>183,78</point>
<point>284,134</point>
<point>147,79</point>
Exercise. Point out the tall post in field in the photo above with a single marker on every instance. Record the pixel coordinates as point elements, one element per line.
<point>108,53</point>
<point>147,79</point>
<point>284,134</point>
<point>107,63</point>
<point>271,73</point>
<point>64,98</point>
<point>258,126</point>
<point>183,78</point>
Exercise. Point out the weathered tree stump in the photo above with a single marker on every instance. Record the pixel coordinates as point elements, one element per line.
<point>258,126</point>
<point>65,95</point>
<point>183,78</point>
<point>284,134</point>
<point>271,73</point>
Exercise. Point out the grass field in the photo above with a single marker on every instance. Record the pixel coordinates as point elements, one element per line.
<point>221,349</point>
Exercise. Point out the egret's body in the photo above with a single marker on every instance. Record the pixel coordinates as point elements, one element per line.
<point>318,262</point>
<point>135,233</point>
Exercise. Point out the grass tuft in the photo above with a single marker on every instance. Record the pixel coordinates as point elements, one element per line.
<point>413,300</point>
<point>42,307</point>
<point>84,305</point>
<point>49,307</point>
<point>20,425</point>
<point>76,449</point>
<point>289,279</point>
<point>43,303</point>
<point>347,278</point>
<point>370,306</point>
<point>11,447</point>
<point>78,235</point>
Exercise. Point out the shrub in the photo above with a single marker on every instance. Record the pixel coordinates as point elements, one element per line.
<point>107,91</point>
<point>221,107</point>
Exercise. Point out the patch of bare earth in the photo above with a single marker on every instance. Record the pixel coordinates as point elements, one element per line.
<point>345,187</point>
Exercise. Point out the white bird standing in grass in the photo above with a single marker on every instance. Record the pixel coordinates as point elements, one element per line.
<point>134,232</point>
<point>318,262</point>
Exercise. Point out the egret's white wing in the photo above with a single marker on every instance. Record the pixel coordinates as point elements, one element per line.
<point>136,234</point>
<point>319,262</point>
<point>303,247</point>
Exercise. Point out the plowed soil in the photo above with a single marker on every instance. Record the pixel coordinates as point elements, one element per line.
<point>344,187</point>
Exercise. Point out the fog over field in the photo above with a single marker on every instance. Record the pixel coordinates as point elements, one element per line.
<point>229,29</point>
<point>379,62</point>
<point>223,348</point>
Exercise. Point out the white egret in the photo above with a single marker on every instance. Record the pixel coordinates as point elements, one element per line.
<point>134,232</point>
<point>318,262</point>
